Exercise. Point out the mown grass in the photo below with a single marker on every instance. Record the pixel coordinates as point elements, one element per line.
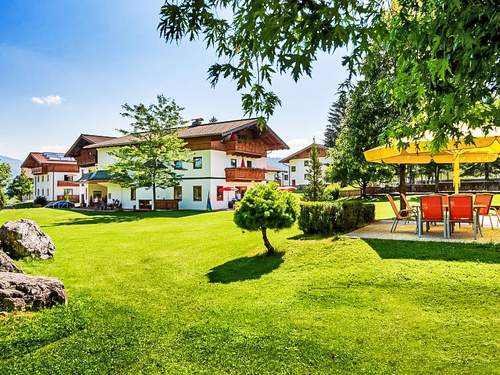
<point>187,292</point>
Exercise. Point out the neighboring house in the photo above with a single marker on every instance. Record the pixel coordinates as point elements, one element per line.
<point>229,154</point>
<point>54,175</point>
<point>298,164</point>
<point>276,172</point>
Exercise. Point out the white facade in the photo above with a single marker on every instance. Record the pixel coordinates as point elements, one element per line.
<point>298,170</point>
<point>198,186</point>
<point>47,185</point>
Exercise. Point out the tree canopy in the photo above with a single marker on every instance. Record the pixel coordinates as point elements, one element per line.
<point>315,187</point>
<point>335,116</point>
<point>265,207</point>
<point>150,161</point>
<point>446,53</point>
<point>20,187</point>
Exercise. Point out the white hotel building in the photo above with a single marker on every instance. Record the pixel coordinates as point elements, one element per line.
<point>228,155</point>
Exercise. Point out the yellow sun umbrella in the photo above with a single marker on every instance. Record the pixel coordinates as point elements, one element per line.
<point>485,149</point>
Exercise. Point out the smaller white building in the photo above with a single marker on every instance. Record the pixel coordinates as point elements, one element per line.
<point>298,164</point>
<point>54,175</point>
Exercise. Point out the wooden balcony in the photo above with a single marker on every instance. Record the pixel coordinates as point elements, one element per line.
<point>245,174</point>
<point>37,170</point>
<point>245,149</point>
<point>67,184</point>
<point>71,198</point>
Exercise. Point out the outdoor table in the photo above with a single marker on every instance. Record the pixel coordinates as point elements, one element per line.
<point>476,208</point>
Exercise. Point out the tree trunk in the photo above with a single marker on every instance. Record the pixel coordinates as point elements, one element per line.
<point>269,247</point>
<point>362,189</point>
<point>402,185</point>
<point>153,206</point>
<point>436,178</point>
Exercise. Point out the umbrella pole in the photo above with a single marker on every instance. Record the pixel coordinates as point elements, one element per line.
<point>456,174</point>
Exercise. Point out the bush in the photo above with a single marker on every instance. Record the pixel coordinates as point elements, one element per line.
<point>40,201</point>
<point>332,193</point>
<point>333,217</point>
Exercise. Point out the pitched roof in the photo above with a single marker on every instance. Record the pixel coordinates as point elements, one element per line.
<point>305,149</point>
<point>221,129</point>
<point>47,158</point>
<point>86,139</point>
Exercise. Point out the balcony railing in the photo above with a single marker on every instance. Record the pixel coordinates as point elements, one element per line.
<point>245,174</point>
<point>67,184</point>
<point>245,149</point>
<point>37,170</point>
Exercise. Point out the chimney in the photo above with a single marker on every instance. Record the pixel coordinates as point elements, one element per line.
<point>196,121</point>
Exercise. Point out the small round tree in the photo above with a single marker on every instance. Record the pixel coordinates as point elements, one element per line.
<point>265,207</point>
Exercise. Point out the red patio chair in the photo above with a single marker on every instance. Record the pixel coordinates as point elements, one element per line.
<point>400,215</point>
<point>461,210</point>
<point>432,211</point>
<point>485,199</point>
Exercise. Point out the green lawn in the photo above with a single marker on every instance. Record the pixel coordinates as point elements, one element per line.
<point>184,293</point>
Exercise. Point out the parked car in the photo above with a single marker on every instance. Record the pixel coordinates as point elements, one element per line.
<point>60,204</point>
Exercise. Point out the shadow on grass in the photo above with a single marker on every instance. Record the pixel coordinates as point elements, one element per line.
<point>105,217</point>
<point>245,268</point>
<point>453,252</point>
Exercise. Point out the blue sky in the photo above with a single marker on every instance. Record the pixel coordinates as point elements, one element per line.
<point>66,67</point>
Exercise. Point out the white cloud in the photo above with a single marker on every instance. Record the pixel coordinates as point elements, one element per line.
<point>48,100</point>
<point>54,148</point>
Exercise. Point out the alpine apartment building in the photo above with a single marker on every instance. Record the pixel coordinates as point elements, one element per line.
<point>298,164</point>
<point>54,175</point>
<point>226,158</point>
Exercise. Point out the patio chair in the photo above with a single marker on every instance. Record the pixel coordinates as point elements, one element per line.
<point>432,211</point>
<point>400,215</point>
<point>461,210</point>
<point>485,199</point>
<point>407,203</point>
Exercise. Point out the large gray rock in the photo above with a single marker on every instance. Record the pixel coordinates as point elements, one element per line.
<point>19,292</point>
<point>23,238</point>
<point>7,264</point>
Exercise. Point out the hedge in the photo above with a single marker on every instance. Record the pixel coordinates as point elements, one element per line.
<point>334,217</point>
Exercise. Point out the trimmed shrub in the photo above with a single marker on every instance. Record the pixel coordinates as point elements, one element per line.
<point>331,193</point>
<point>40,201</point>
<point>334,217</point>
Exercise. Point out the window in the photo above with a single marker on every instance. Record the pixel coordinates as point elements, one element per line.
<point>306,163</point>
<point>42,178</point>
<point>178,164</point>
<point>37,178</point>
<point>293,168</point>
<point>68,191</point>
<point>132,194</point>
<point>285,177</point>
<point>48,177</point>
<point>109,196</point>
<point>68,178</point>
<point>178,192</point>
<point>234,163</point>
<point>293,183</point>
<point>197,193</point>
<point>220,193</point>
<point>37,192</point>
<point>197,162</point>
<point>249,164</point>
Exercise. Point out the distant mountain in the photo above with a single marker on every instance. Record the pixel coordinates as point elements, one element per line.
<point>15,164</point>
<point>275,162</point>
